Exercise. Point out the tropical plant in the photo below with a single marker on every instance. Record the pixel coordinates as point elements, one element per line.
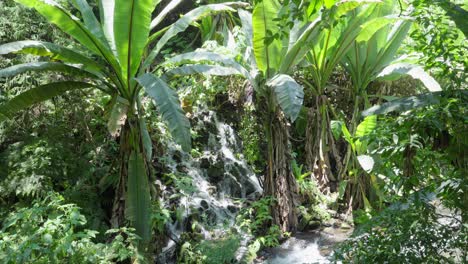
<point>439,42</point>
<point>53,231</point>
<point>332,40</point>
<point>120,54</point>
<point>406,233</point>
<point>373,56</point>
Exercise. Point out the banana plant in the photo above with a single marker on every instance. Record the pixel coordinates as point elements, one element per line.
<point>373,56</point>
<point>330,44</point>
<point>118,41</point>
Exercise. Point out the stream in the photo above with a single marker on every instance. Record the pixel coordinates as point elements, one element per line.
<point>314,247</point>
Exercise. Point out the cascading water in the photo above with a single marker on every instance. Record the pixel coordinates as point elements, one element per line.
<point>215,178</point>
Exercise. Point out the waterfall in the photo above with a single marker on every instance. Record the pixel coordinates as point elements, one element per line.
<point>218,176</point>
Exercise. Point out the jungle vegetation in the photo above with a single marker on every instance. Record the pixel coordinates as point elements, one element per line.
<point>156,131</point>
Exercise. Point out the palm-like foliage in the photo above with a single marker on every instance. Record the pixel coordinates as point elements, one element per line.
<point>371,57</point>
<point>118,41</point>
<point>331,41</point>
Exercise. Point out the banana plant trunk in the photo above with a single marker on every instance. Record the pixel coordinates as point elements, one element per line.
<point>279,181</point>
<point>358,187</point>
<point>118,209</point>
<point>321,151</point>
<point>132,200</point>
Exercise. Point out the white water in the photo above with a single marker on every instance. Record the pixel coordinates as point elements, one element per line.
<point>307,248</point>
<point>213,197</point>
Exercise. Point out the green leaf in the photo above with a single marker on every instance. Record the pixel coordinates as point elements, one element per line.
<point>202,69</point>
<point>336,127</point>
<point>182,24</point>
<point>343,7</point>
<point>267,48</point>
<point>37,95</point>
<point>329,3</point>
<point>209,57</point>
<point>369,28</point>
<point>342,189</point>
<point>168,104</point>
<point>404,104</point>
<point>51,50</point>
<point>146,139</point>
<point>367,126</point>
<point>90,20</point>
<point>132,20</point>
<point>397,70</point>
<point>246,20</point>
<point>378,44</point>
<point>167,9</point>
<point>46,66</point>
<point>300,47</point>
<point>347,136</point>
<point>457,14</point>
<point>68,23</point>
<point>364,128</point>
<point>394,40</point>
<point>106,9</point>
<point>138,200</point>
<point>289,94</point>
<point>118,116</point>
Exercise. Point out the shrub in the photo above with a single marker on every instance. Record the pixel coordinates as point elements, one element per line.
<point>52,231</point>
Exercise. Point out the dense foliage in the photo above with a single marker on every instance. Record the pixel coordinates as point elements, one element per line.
<point>273,117</point>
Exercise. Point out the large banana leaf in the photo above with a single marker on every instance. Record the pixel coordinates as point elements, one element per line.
<point>376,45</point>
<point>167,9</point>
<point>51,50</point>
<point>266,47</point>
<point>300,46</point>
<point>413,102</point>
<point>37,95</point>
<point>70,24</point>
<point>289,94</point>
<point>246,20</point>
<point>215,70</point>
<point>182,24</point>
<point>315,34</point>
<point>138,202</point>
<point>106,10</point>
<point>46,66</point>
<point>131,30</point>
<point>90,20</point>
<point>168,104</point>
<point>210,57</point>
<point>404,104</point>
<point>397,70</point>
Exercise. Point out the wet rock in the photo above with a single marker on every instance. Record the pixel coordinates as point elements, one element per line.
<point>204,204</point>
<point>205,163</point>
<point>181,168</point>
<point>210,217</point>
<point>233,209</point>
<point>215,172</point>
<point>177,156</point>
